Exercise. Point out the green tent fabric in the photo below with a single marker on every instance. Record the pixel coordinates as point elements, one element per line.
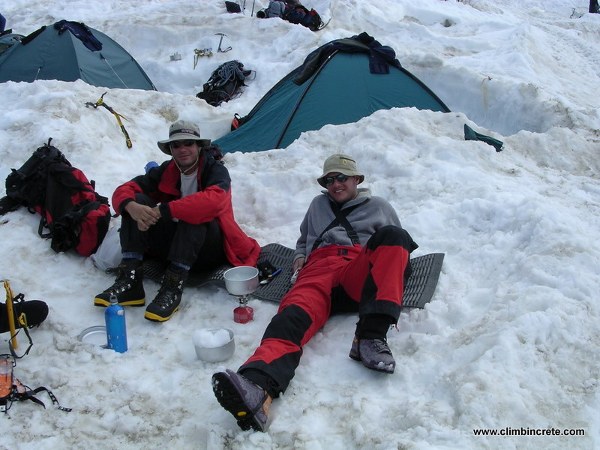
<point>59,52</point>
<point>340,82</point>
<point>472,135</point>
<point>7,40</point>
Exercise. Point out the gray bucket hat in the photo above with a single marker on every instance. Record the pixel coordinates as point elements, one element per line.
<point>182,130</point>
<point>340,163</point>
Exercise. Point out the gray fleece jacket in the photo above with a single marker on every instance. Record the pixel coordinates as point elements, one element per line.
<point>374,213</point>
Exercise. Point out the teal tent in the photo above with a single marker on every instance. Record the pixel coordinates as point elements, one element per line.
<point>68,51</point>
<point>7,40</point>
<point>340,82</point>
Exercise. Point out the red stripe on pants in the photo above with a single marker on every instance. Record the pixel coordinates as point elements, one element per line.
<point>386,265</point>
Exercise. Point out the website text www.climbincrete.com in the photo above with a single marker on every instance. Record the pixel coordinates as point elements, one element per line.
<point>526,431</point>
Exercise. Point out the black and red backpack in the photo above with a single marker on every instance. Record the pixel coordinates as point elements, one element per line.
<point>73,214</point>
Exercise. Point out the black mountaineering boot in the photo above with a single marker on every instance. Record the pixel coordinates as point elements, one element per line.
<point>167,301</point>
<point>128,287</point>
<point>29,313</point>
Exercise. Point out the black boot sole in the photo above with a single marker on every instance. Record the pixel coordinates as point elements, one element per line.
<point>153,317</point>
<point>229,398</point>
<point>104,303</point>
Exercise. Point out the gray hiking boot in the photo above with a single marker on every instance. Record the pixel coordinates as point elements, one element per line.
<point>248,402</point>
<point>374,354</point>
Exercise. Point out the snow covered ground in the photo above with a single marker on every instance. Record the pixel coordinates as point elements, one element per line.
<point>508,344</point>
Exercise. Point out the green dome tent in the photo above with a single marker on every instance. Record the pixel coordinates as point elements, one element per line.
<point>68,51</point>
<point>340,82</point>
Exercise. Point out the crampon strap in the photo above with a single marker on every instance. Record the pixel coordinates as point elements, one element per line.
<point>22,319</point>
<point>22,392</point>
<point>29,394</point>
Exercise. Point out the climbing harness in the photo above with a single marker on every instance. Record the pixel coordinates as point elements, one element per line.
<point>100,102</point>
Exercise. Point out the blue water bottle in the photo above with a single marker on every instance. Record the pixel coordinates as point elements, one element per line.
<point>116,330</point>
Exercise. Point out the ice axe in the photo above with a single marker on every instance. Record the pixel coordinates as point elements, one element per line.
<point>219,50</point>
<point>11,316</point>
<point>100,102</point>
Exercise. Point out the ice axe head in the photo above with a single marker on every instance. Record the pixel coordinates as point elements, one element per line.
<point>220,50</point>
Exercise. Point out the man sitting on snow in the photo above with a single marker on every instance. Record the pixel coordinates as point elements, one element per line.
<point>181,212</point>
<point>352,255</point>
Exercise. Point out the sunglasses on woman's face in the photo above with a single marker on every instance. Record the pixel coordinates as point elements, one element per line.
<point>339,177</point>
<point>178,144</point>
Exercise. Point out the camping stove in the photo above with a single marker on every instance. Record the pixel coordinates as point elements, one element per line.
<point>242,281</point>
<point>243,313</point>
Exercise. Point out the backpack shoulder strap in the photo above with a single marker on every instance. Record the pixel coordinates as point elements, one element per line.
<point>340,219</point>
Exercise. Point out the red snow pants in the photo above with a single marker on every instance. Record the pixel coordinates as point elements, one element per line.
<point>369,280</point>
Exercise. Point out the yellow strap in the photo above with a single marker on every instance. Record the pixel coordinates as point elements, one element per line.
<point>22,319</point>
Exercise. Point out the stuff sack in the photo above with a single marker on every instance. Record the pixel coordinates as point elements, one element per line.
<point>108,255</point>
<point>233,7</point>
<point>73,214</point>
<point>225,83</point>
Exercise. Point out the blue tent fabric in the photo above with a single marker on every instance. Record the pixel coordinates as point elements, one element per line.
<point>340,82</point>
<point>69,51</point>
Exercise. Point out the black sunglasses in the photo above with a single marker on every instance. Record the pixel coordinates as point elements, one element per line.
<point>339,177</point>
<point>177,144</point>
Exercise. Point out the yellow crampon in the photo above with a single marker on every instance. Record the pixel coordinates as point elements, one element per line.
<point>21,320</point>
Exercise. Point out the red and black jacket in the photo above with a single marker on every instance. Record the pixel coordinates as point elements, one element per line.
<point>211,202</point>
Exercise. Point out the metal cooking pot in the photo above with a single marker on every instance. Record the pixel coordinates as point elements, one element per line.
<point>209,345</point>
<point>242,280</point>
